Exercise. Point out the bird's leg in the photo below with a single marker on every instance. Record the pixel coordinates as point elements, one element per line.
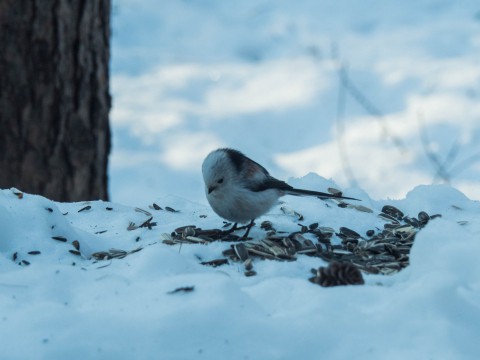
<point>249,226</point>
<point>232,229</point>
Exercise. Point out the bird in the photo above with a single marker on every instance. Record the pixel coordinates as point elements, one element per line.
<point>240,190</point>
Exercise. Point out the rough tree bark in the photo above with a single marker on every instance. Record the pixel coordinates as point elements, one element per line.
<point>54,97</point>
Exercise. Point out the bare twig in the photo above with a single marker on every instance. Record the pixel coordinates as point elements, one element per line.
<point>465,164</point>
<point>340,125</point>
<point>372,110</point>
<point>441,172</point>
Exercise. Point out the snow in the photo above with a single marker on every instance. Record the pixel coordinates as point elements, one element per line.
<point>64,305</point>
<point>263,77</point>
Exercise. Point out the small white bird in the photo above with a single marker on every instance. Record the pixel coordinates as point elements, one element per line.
<point>240,190</point>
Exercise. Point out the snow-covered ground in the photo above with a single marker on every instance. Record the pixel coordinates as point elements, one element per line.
<point>60,305</point>
<point>380,96</point>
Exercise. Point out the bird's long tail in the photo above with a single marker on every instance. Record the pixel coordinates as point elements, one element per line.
<point>319,194</point>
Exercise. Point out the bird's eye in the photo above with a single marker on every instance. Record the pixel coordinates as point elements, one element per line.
<point>220,181</point>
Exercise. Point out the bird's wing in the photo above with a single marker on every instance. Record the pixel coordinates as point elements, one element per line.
<point>270,183</point>
<point>321,195</point>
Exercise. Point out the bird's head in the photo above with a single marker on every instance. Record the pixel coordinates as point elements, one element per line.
<point>218,172</point>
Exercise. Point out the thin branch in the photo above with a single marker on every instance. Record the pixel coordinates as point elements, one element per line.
<point>372,110</point>
<point>340,126</point>
<point>432,157</point>
<point>465,164</point>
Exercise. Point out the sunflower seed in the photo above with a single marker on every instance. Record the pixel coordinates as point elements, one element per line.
<point>291,212</point>
<point>215,263</point>
<point>248,264</point>
<point>143,211</point>
<point>393,211</point>
<point>195,239</point>
<point>388,218</point>
<point>241,251</point>
<point>362,208</point>
<point>183,289</point>
<point>423,217</point>
<point>59,238</point>
<point>349,233</point>
<point>334,191</point>
<point>166,236</point>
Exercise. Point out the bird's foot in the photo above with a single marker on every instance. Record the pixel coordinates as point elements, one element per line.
<point>249,227</point>
<point>235,227</point>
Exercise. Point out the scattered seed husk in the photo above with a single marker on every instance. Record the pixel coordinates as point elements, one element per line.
<point>168,208</point>
<point>88,207</point>
<point>59,238</point>
<point>76,244</point>
<point>183,289</point>
<point>166,236</point>
<point>349,233</point>
<point>188,230</point>
<point>249,273</point>
<point>197,240</point>
<point>74,252</point>
<point>148,223</point>
<point>131,226</point>
<point>34,252</point>
<point>388,217</point>
<point>266,225</point>
<point>241,251</point>
<point>215,263</point>
<point>113,254</point>
<point>143,211</point>
<point>361,208</point>
<point>393,211</point>
<point>18,194</point>
<point>334,191</point>
<point>248,264</point>
<point>290,212</point>
<point>423,217</point>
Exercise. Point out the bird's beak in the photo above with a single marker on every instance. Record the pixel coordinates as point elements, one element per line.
<point>211,188</point>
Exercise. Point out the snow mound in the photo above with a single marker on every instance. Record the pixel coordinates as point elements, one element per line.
<point>161,302</point>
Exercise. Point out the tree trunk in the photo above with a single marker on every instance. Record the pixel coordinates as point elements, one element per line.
<point>54,97</point>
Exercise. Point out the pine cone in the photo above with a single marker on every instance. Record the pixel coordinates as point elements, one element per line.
<point>337,274</point>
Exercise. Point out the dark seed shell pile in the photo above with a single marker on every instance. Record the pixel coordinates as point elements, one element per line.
<point>384,251</point>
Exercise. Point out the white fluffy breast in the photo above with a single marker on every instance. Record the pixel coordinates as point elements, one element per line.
<point>242,205</point>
